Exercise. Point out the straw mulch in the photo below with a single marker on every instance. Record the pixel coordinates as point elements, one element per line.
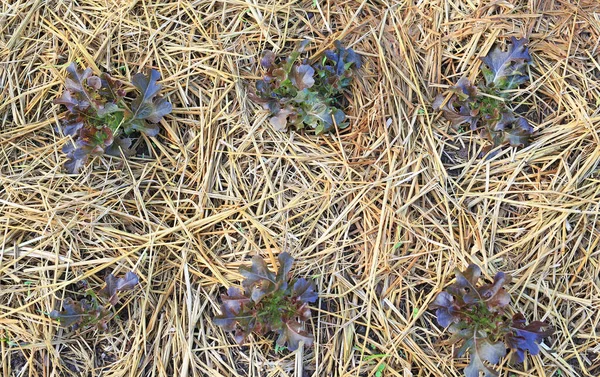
<point>379,215</point>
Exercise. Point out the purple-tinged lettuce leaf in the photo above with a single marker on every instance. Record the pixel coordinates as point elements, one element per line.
<point>526,337</point>
<point>482,350</point>
<point>72,165</point>
<point>98,114</point>
<point>456,112</point>
<point>283,271</point>
<point>72,123</point>
<point>227,319</point>
<point>128,282</point>
<point>146,106</point>
<point>464,90</point>
<point>111,88</point>
<point>515,130</point>
<point>235,301</point>
<point>118,145</point>
<point>97,310</point>
<point>459,108</point>
<point>161,108</point>
<point>148,88</point>
<point>91,141</point>
<point>78,84</point>
<point>461,332</point>
<point>299,94</point>
<point>507,69</point>
<point>94,82</point>
<point>148,129</point>
<point>495,294</point>
<point>445,309</point>
<point>510,129</point>
<point>304,291</point>
<point>280,121</point>
<point>81,91</point>
<point>278,77</point>
<point>303,312</point>
<point>281,306</point>
<point>294,55</point>
<point>236,309</point>
<point>114,286</point>
<point>343,58</point>
<point>268,59</point>
<point>302,76</point>
<point>107,109</point>
<point>72,103</point>
<point>74,313</point>
<point>465,288</point>
<point>291,335</point>
<point>260,281</point>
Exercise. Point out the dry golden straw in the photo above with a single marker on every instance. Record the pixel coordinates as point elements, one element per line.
<point>379,214</point>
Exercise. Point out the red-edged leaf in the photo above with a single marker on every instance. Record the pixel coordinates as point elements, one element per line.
<point>507,69</point>
<point>146,105</point>
<point>465,288</point>
<point>515,130</point>
<point>268,303</point>
<point>445,309</point>
<point>343,59</point>
<point>494,294</point>
<point>72,123</point>
<point>456,112</point>
<point>283,271</point>
<point>268,59</point>
<point>291,335</point>
<point>128,282</point>
<point>73,104</point>
<point>526,337</point>
<point>464,90</point>
<point>279,121</point>
<point>98,113</point>
<point>78,83</point>
<point>236,308</point>
<point>304,291</point>
<point>91,141</point>
<point>114,286</point>
<point>120,144</point>
<point>111,88</point>
<point>302,76</point>
<point>74,313</point>
<point>481,351</point>
<point>259,279</point>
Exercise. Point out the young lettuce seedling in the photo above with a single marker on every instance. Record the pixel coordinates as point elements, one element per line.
<point>269,302</point>
<point>300,94</point>
<point>484,107</point>
<point>477,316</point>
<point>97,310</point>
<point>99,116</point>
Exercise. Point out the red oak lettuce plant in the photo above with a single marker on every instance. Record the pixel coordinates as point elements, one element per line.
<point>100,116</point>
<point>300,94</point>
<point>270,302</point>
<point>477,316</point>
<point>98,309</point>
<point>484,107</point>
